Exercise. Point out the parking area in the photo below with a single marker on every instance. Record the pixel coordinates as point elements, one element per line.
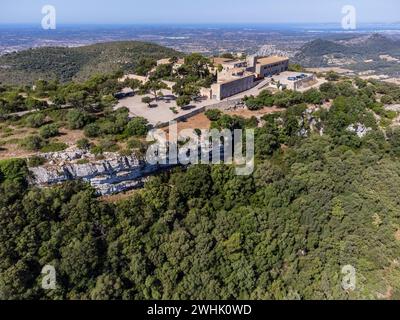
<point>163,110</point>
<point>298,81</point>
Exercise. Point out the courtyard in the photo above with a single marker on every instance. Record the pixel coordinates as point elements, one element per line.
<point>164,110</point>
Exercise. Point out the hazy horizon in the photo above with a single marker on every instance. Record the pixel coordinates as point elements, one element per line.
<point>362,26</point>
<point>178,12</point>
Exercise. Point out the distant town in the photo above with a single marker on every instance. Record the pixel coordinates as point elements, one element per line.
<point>268,39</point>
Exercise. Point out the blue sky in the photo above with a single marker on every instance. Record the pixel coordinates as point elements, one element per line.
<point>198,11</point>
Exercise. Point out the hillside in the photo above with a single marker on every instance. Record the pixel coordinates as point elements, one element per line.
<point>313,205</point>
<point>67,64</point>
<point>322,53</point>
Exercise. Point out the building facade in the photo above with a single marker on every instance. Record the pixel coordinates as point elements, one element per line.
<point>269,66</point>
<point>237,76</point>
<point>231,87</point>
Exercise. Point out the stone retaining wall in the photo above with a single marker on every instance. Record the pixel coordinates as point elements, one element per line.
<point>223,105</point>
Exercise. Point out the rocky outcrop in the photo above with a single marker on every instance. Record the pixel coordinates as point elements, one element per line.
<point>359,129</point>
<point>110,175</point>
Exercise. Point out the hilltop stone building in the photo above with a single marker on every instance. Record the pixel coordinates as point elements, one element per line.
<point>240,75</point>
<point>235,76</point>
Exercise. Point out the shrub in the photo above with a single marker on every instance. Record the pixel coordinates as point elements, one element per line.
<point>121,119</point>
<point>109,127</point>
<point>92,130</point>
<point>125,153</point>
<point>391,114</point>
<point>384,123</point>
<point>332,76</point>
<point>58,115</point>
<point>134,144</point>
<point>7,130</point>
<point>35,120</point>
<point>313,96</point>
<point>213,114</point>
<point>83,144</point>
<point>253,104</point>
<point>33,143</point>
<point>77,119</point>
<point>393,135</point>
<point>287,98</point>
<point>147,100</point>
<point>139,146</point>
<point>378,108</point>
<point>137,127</point>
<point>54,147</point>
<point>83,161</point>
<point>96,150</point>
<point>296,67</point>
<point>386,99</point>
<point>183,101</point>
<point>36,161</point>
<point>109,145</point>
<point>264,99</point>
<point>13,169</point>
<point>329,90</point>
<point>48,131</point>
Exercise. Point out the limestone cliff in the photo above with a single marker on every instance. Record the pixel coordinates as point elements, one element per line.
<point>112,174</point>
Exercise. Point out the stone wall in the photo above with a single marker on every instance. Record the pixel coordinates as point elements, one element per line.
<point>184,117</point>
<point>225,105</point>
<point>303,83</point>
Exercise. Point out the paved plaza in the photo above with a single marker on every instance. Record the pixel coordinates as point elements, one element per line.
<point>160,111</point>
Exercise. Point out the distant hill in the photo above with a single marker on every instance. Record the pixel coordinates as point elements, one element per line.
<point>79,63</point>
<point>321,53</point>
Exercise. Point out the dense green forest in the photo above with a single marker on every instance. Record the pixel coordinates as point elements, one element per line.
<point>313,205</point>
<point>66,64</point>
